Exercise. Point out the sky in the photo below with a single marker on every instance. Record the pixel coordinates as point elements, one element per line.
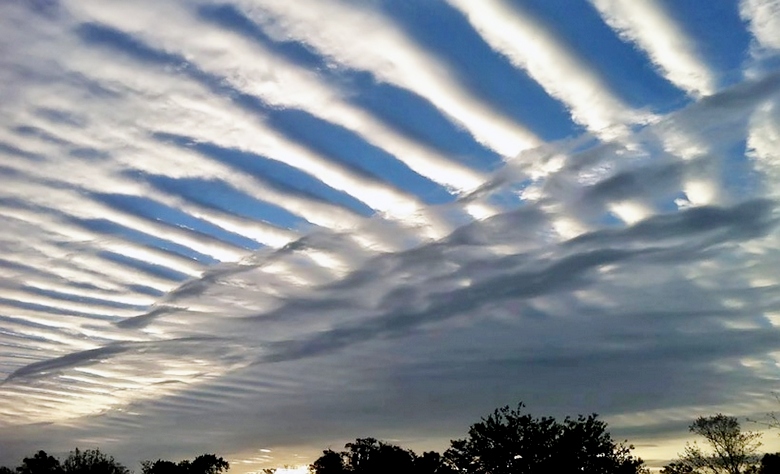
<point>264,228</point>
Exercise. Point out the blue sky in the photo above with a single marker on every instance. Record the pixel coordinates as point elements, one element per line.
<point>264,228</point>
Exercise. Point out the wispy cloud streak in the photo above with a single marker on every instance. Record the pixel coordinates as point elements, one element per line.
<point>647,24</point>
<point>391,56</point>
<point>246,65</point>
<point>534,49</point>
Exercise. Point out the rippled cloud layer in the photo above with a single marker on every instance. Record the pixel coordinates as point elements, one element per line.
<point>264,227</point>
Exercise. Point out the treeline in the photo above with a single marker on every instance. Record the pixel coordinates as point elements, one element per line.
<point>93,461</point>
<point>508,441</point>
<point>513,442</point>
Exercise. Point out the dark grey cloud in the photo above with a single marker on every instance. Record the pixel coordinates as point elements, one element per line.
<point>76,359</point>
<point>523,276</point>
<point>55,366</point>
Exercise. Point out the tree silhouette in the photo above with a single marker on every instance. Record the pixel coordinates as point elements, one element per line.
<point>770,464</point>
<point>371,456</point>
<point>367,456</point>
<point>432,462</point>
<point>161,467</point>
<point>91,461</point>
<point>330,462</point>
<point>40,463</point>
<point>203,464</point>
<point>732,451</point>
<point>206,464</point>
<point>509,441</point>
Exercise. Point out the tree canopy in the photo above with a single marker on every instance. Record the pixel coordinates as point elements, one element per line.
<point>730,450</point>
<point>40,463</point>
<point>506,442</point>
<point>371,456</point>
<point>770,464</point>
<point>510,441</point>
<point>203,464</point>
<point>92,461</point>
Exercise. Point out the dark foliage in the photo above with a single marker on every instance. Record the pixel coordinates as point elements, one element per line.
<point>770,464</point>
<point>370,456</point>
<point>432,462</point>
<point>161,467</point>
<point>510,442</point>
<point>91,461</point>
<point>206,464</point>
<point>730,450</point>
<point>330,462</point>
<point>505,442</point>
<point>40,463</point>
<point>203,464</point>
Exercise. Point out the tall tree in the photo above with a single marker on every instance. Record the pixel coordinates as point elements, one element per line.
<point>371,456</point>
<point>161,467</point>
<point>732,451</point>
<point>206,464</point>
<point>203,464</point>
<point>92,461</point>
<point>368,455</point>
<point>510,441</point>
<point>330,462</point>
<point>770,464</point>
<point>432,462</point>
<point>40,463</point>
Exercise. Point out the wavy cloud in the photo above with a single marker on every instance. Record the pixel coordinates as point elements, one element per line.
<point>265,227</point>
<point>651,27</point>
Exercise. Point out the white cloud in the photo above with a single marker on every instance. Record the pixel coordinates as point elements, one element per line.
<point>652,28</point>
<point>189,108</point>
<point>763,141</point>
<point>385,51</point>
<point>357,326</point>
<point>531,47</point>
<point>254,70</point>
<point>413,292</point>
<point>764,19</point>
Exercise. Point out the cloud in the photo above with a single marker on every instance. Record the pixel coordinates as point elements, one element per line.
<point>651,27</point>
<point>255,70</point>
<point>510,268</point>
<point>390,56</point>
<point>176,262</point>
<point>535,49</point>
<point>763,139</point>
<point>70,360</point>
<point>764,19</point>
